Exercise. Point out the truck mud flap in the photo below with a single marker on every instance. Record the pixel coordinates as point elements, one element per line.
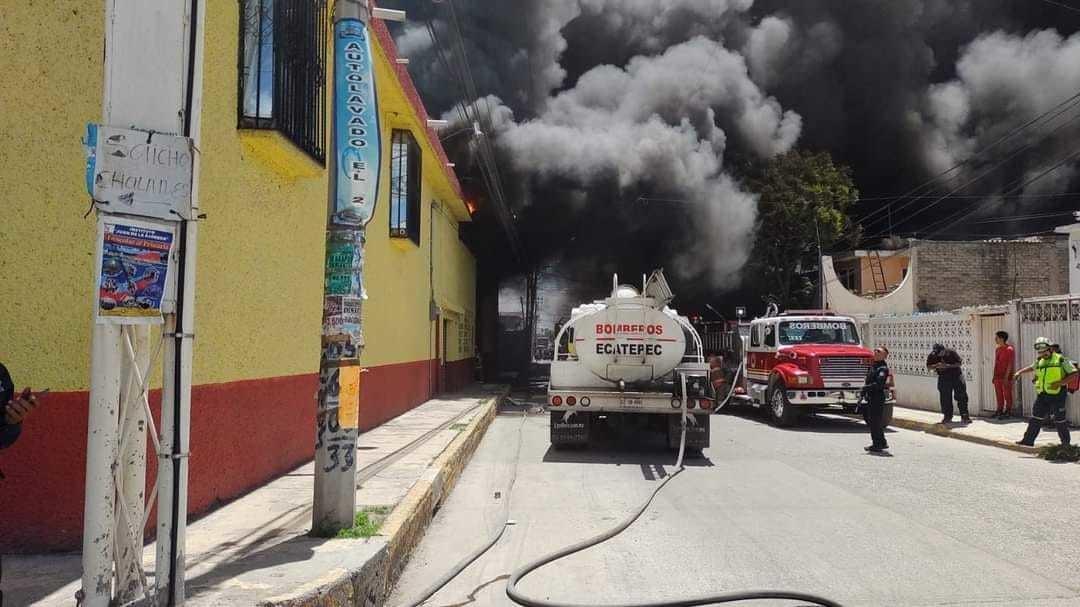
<point>572,432</point>
<point>697,435</point>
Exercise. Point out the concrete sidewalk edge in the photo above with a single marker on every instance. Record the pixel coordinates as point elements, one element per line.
<point>405,526</point>
<point>940,429</point>
<point>370,585</point>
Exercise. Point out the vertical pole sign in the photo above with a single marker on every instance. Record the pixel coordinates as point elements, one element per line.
<point>353,187</point>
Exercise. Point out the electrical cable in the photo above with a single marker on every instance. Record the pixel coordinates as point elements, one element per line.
<point>1063,5</point>
<point>978,177</point>
<point>964,214</point>
<point>1071,101</point>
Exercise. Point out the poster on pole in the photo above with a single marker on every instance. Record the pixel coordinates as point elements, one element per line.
<point>132,270</point>
<point>356,149</point>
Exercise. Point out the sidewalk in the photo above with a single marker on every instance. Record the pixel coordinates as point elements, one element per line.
<point>982,430</point>
<point>256,550</point>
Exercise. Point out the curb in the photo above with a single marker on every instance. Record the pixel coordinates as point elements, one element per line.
<point>405,526</point>
<point>371,584</point>
<point>943,430</point>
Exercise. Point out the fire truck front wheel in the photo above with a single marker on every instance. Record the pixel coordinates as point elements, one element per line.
<point>781,411</point>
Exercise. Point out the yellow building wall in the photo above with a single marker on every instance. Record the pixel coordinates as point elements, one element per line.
<point>50,55</point>
<point>260,250</point>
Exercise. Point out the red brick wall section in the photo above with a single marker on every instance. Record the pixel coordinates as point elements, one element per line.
<point>242,435</point>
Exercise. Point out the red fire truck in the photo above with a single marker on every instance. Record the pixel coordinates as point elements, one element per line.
<point>802,361</point>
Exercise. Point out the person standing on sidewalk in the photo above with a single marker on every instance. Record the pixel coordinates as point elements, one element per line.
<point>1004,367</point>
<point>947,364</point>
<point>877,379</point>
<point>1052,371</point>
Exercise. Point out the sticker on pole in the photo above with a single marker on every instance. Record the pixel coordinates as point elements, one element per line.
<point>133,259</point>
<point>139,172</point>
<point>356,127</point>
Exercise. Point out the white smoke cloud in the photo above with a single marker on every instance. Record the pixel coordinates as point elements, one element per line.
<point>1003,80</point>
<point>650,26</point>
<point>647,26</point>
<point>655,125</point>
<point>413,41</point>
<point>776,49</point>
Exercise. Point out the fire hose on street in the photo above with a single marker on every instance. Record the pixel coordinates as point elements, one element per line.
<point>518,596</point>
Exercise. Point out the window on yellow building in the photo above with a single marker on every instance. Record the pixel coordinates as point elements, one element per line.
<point>404,187</point>
<point>283,70</point>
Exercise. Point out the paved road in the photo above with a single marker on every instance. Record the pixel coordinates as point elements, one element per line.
<point>942,522</point>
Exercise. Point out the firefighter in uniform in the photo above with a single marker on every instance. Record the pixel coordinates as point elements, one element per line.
<point>1052,372</point>
<point>877,379</point>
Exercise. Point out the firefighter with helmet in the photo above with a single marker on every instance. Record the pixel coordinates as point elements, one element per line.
<point>1052,372</point>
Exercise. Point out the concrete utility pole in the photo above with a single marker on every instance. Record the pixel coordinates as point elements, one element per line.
<point>353,168</point>
<point>152,82</point>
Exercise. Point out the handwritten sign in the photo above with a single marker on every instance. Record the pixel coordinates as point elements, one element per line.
<point>139,172</point>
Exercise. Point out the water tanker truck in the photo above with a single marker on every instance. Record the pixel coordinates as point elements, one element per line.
<point>629,360</point>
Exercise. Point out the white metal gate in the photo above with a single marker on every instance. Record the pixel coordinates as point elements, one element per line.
<point>988,325</point>
<point>1056,318</point>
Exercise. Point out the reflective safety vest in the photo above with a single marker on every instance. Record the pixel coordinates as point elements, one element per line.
<point>1049,370</point>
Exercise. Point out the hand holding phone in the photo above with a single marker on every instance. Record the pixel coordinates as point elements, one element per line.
<point>17,410</point>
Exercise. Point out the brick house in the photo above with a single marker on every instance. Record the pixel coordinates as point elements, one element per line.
<point>933,275</point>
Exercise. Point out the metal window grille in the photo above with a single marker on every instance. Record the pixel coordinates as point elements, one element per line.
<point>283,69</point>
<point>404,187</point>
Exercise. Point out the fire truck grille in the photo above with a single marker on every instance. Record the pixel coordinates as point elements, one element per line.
<point>844,370</point>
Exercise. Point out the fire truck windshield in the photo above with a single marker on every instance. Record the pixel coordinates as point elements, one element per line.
<point>818,332</point>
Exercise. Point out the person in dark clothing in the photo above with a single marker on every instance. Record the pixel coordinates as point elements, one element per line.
<point>877,379</point>
<point>14,410</point>
<point>947,364</point>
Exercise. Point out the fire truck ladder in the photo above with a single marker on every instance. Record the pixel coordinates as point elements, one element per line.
<point>877,272</point>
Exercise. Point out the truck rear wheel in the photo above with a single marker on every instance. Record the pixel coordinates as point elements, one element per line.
<point>569,433</point>
<point>781,411</point>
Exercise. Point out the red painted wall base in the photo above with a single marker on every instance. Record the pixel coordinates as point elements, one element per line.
<point>242,435</point>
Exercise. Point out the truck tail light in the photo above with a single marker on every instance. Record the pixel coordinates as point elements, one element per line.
<point>690,403</point>
<point>676,403</point>
<point>585,401</point>
<point>740,390</point>
<point>556,400</point>
<point>570,401</point>
<point>705,403</point>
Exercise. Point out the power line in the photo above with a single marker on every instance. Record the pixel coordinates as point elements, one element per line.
<point>968,213</point>
<point>1014,218</point>
<point>1063,5</point>
<point>978,177</point>
<point>977,196</point>
<point>1070,102</point>
<point>460,73</point>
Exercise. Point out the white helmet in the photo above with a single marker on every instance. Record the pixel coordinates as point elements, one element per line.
<point>1041,343</point>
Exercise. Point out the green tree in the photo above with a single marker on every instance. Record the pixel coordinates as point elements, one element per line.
<point>802,195</point>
